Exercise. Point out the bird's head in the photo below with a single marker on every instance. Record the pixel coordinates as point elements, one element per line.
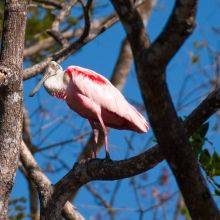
<point>52,69</point>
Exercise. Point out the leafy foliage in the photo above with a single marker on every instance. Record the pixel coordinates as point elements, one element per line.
<point>210,163</point>
<point>38,21</point>
<point>185,212</point>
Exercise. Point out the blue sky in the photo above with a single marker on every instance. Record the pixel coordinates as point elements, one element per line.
<point>100,55</point>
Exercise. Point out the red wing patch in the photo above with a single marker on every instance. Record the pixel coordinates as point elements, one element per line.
<point>86,73</point>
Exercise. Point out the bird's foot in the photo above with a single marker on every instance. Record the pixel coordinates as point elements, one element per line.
<point>83,161</point>
<point>107,156</point>
<point>94,155</point>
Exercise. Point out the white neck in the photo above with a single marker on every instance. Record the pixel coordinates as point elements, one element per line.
<point>56,86</point>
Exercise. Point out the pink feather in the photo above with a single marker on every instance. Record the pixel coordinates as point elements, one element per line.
<point>91,94</point>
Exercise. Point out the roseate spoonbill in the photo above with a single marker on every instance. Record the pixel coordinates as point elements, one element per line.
<point>92,96</point>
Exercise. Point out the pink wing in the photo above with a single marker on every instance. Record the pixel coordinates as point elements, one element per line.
<point>102,92</point>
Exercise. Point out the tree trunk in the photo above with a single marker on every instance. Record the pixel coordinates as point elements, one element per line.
<point>11,97</point>
<point>151,64</point>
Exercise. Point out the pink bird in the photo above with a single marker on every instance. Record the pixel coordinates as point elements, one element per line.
<point>92,96</point>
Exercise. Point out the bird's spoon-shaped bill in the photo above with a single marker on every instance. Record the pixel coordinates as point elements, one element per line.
<point>37,87</point>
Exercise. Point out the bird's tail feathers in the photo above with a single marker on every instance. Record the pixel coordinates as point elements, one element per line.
<point>138,121</point>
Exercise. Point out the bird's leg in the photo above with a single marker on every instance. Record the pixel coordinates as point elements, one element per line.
<point>107,155</point>
<point>95,138</point>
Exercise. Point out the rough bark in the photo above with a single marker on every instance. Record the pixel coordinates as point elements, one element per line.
<point>33,198</point>
<point>11,97</point>
<point>170,133</point>
<point>43,184</point>
<point>33,194</point>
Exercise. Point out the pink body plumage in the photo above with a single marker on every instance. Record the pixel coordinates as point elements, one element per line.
<point>91,95</point>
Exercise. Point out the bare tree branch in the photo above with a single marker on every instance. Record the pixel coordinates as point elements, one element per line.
<point>122,66</point>
<point>179,27</point>
<point>207,107</point>
<point>57,36</point>
<point>59,18</point>
<point>101,200</point>
<point>64,53</point>
<point>73,48</point>
<point>43,184</point>
<point>50,3</point>
<point>66,35</point>
<point>66,8</point>
<point>33,196</point>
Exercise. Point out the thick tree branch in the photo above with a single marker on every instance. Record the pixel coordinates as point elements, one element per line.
<point>43,184</point>
<point>33,196</point>
<point>180,25</point>
<point>38,182</point>
<point>99,169</point>
<point>50,3</point>
<point>66,35</point>
<point>73,48</point>
<point>207,108</point>
<point>11,97</point>
<point>170,133</point>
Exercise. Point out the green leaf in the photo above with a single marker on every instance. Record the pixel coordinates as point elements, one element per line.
<point>210,163</point>
<point>38,22</point>
<point>215,172</point>
<point>184,211</point>
<point>217,192</point>
<point>198,45</point>
<point>194,59</point>
<point>72,20</point>
<point>205,158</point>
<point>216,160</point>
<point>203,129</point>
<point>198,139</point>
